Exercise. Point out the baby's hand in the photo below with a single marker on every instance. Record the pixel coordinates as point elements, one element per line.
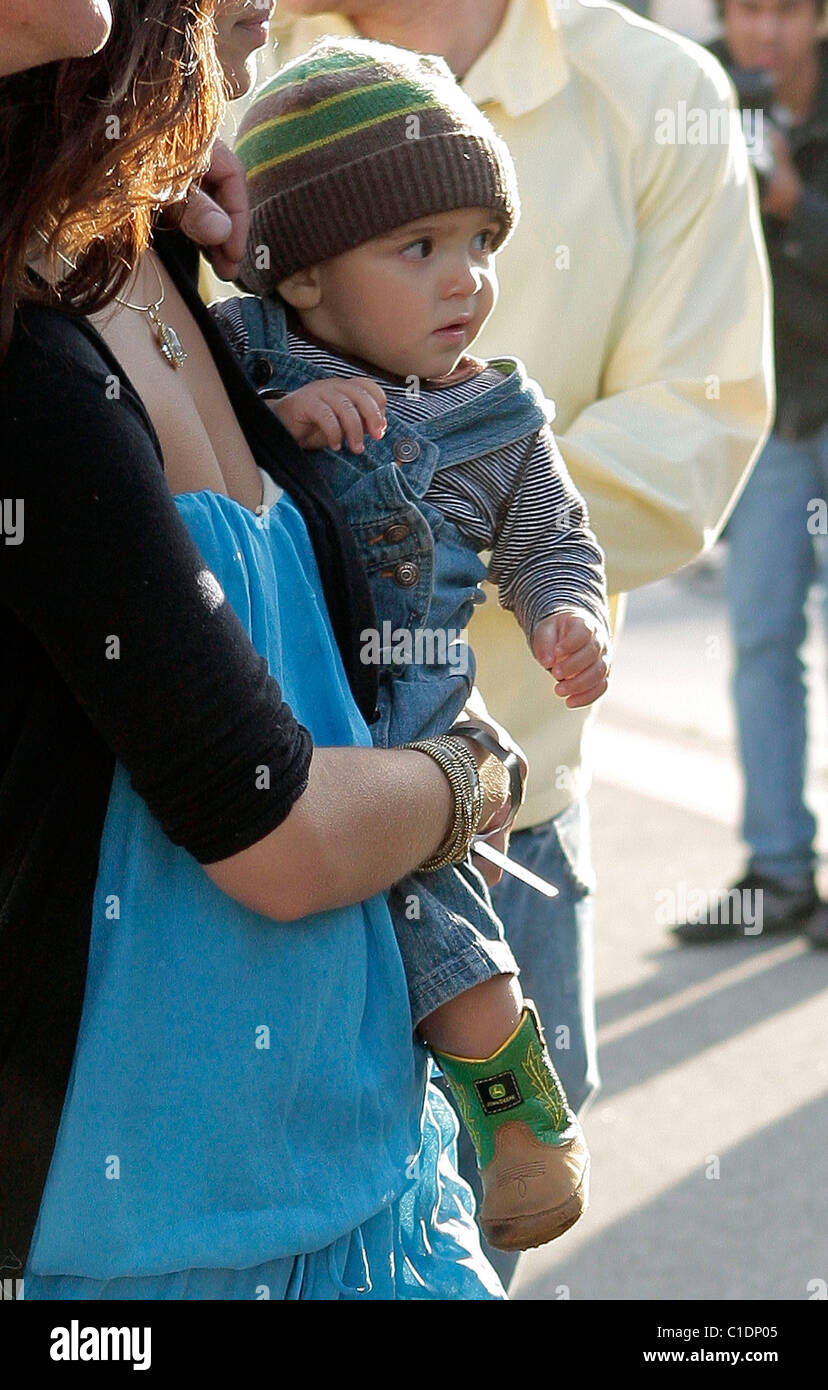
<point>567,646</point>
<point>319,414</point>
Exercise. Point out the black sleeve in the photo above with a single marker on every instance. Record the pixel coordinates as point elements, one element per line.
<point>101,552</point>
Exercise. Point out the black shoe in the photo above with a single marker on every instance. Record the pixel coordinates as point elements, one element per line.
<point>781,908</point>
<point>816,931</point>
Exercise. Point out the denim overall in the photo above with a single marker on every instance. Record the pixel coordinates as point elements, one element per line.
<point>425,578</point>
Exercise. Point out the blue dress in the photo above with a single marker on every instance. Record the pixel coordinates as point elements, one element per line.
<point>247,1116</point>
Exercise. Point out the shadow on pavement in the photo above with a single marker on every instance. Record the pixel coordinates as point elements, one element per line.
<point>757,1231</point>
<point>701,1022</point>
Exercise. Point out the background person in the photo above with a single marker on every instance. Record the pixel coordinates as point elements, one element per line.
<point>635,290</point>
<point>767,602</point>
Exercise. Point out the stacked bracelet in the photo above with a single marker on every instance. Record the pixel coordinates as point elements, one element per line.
<point>453,756</point>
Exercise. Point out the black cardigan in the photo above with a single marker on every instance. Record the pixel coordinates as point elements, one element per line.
<point>188,706</point>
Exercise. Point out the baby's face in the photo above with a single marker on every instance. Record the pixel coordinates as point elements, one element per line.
<point>413,300</point>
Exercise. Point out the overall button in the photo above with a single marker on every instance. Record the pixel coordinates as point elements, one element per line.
<point>261,371</point>
<point>406,450</point>
<point>397,533</point>
<point>406,574</point>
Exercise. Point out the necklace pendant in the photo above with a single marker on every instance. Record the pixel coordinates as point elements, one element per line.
<point>169,343</point>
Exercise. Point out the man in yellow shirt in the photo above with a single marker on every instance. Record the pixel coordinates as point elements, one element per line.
<point>635,289</point>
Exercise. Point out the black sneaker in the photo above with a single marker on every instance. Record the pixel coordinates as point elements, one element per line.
<point>734,916</point>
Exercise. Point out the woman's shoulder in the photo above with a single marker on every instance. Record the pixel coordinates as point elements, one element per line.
<point>50,339</point>
<point>57,361</point>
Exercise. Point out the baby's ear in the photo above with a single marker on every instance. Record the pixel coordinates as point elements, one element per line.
<point>302,289</point>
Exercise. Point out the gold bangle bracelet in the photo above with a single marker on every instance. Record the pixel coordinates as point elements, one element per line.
<point>456,761</point>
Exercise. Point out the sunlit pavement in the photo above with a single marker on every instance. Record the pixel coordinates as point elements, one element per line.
<point>709,1136</point>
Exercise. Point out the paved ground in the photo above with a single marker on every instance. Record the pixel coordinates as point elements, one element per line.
<point>709,1136</point>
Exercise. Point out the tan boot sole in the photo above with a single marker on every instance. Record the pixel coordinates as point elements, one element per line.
<point>527,1232</point>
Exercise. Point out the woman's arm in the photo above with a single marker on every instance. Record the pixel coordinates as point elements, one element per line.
<point>367,818</point>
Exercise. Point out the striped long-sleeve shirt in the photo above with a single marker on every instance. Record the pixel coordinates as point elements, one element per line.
<point>517,502</point>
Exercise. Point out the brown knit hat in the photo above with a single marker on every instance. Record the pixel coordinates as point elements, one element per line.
<point>356,138</point>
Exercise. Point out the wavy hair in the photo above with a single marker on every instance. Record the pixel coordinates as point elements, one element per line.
<point>91,147</point>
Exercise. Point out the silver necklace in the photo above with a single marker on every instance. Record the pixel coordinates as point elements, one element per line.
<point>169,343</point>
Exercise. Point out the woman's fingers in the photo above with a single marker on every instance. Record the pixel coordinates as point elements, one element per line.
<point>491,872</point>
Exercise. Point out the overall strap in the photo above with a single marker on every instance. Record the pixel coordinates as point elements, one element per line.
<point>265,323</point>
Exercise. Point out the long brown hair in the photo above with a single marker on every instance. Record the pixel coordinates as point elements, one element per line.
<point>90,147</point>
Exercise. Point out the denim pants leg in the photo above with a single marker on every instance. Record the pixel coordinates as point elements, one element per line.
<point>771,564</point>
<point>552,941</point>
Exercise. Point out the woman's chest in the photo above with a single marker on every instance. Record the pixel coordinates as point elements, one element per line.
<point>202,443</point>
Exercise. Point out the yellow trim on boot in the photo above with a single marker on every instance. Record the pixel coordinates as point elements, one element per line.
<point>453,1057</point>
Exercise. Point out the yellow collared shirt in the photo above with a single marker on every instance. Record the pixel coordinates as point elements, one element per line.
<point>636,291</point>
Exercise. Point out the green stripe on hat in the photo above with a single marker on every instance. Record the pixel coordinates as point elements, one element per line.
<point>293,153</point>
<point>339,117</point>
<point>303,70</point>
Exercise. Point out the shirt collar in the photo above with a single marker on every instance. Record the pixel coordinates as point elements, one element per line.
<point>524,65</point>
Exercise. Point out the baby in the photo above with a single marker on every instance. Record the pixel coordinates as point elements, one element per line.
<point>379,196</point>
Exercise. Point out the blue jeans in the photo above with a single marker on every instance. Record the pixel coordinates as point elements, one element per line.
<point>774,555</point>
<point>552,940</point>
<point>449,937</point>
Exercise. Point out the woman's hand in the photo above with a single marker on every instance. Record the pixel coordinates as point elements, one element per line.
<point>497,826</point>
<point>487,870</point>
<point>320,414</point>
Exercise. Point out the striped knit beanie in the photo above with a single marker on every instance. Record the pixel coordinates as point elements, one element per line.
<point>353,139</point>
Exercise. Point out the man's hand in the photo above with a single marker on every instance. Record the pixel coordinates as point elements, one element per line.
<point>784,187</point>
<point>319,414</point>
<point>216,214</point>
<point>568,646</point>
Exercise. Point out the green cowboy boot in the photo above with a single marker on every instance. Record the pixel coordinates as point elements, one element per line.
<point>531,1152</point>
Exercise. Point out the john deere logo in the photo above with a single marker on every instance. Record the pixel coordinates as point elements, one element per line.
<point>498,1093</point>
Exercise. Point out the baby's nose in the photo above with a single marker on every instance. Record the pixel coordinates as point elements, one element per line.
<point>466,279</point>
